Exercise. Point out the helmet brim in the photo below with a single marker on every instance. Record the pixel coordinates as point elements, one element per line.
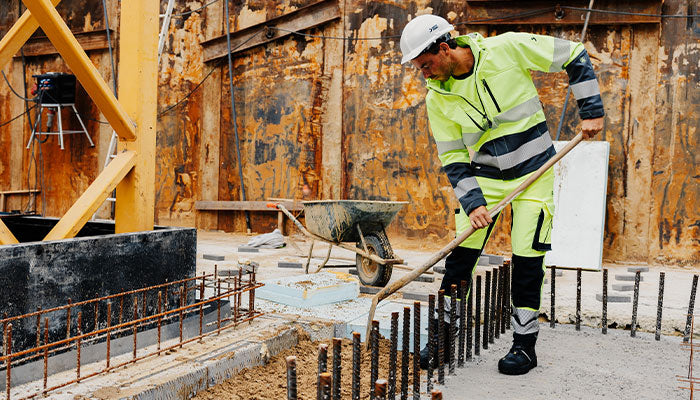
<point>418,50</point>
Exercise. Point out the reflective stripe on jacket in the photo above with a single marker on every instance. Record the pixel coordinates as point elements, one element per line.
<point>496,111</point>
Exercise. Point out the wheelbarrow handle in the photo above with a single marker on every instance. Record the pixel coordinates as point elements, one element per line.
<point>388,290</point>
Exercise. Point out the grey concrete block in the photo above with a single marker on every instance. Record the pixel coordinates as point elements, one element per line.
<point>213,257</point>
<point>614,298</point>
<point>635,269</point>
<point>497,260</point>
<point>415,296</point>
<point>438,269</point>
<point>424,278</point>
<point>627,277</point>
<point>623,287</point>
<point>248,249</point>
<point>283,264</point>
<point>370,289</point>
<point>484,260</point>
<point>352,271</point>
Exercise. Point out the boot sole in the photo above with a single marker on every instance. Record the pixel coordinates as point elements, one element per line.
<point>518,371</point>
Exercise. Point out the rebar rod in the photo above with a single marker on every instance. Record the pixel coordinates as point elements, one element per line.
<point>394,337</point>
<point>78,346</point>
<point>356,362</point>
<point>46,352</point>
<point>68,318</point>
<point>477,317</point>
<point>322,367</point>
<point>441,337</point>
<point>552,290</point>
<point>469,317</point>
<point>487,313</point>
<point>431,341</point>
<point>691,306</point>
<point>38,327</point>
<point>325,386</point>
<point>462,322</point>
<point>380,389</point>
<point>498,276</point>
<point>405,338</point>
<point>374,356</point>
<point>336,368</point>
<point>492,316</point>
<point>660,305</point>
<point>8,365</point>
<point>436,395</point>
<point>508,305</point>
<point>109,336</point>
<point>416,350</point>
<point>635,303</point>
<point>604,319</point>
<point>452,329</point>
<point>578,299</point>
<point>291,377</point>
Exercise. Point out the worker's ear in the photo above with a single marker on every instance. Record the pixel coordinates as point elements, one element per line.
<point>444,47</point>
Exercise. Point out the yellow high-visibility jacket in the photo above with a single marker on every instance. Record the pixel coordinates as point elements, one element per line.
<point>496,110</point>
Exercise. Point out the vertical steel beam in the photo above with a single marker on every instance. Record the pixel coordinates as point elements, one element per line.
<point>138,91</point>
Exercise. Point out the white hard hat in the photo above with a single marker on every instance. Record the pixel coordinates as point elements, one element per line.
<point>420,33</point>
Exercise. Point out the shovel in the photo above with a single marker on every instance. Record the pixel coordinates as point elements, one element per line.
<point>388,290</point>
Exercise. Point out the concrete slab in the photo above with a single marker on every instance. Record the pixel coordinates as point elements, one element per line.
<point>283,264</point>
<point>310,290</point>
<point>213,257</point>
<point>370,289</point>
<point>628,277</point>
<point>640,269</point>
<point>247,249</point>
<point>439,269</point>
<point>614,298</point>
<point>415,296</point>
<point>623,287</point>
<point>383,315</point>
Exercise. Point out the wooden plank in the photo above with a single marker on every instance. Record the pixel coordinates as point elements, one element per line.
<point>205,205</point>
<point>491,10</point>
<point>94,40</point>
<point>298,20</point>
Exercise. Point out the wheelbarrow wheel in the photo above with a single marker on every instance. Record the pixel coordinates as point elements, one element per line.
<point>372,273</point>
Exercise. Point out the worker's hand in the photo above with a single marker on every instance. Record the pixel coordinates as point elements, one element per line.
<point>591,127</point>
<point>480,218</point>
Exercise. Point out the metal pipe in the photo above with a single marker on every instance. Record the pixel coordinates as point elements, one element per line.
<point>431,341</point>
<point>604,320</point>
<point>462,322</point>
<point>477,317</point>
<point>468,318</point>
<point>356,362</point>
<point>335,393</point>
<point>441,337</point>
<point>416,350</point>
<point>405,337</point>
<point>492,316</point>
<point>452,328</point>
<point>487,313</point>
<point>374,355</point>
<point>660,305</point>
<point>552,290</point>
<point>322,367</point>
<point>691,306</point>
<point>635,303</point>
<point>394,337</point>
<point>578,299</point>
<point>291,377</point>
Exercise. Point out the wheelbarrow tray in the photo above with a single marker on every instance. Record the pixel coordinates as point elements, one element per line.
<point>337,220</point>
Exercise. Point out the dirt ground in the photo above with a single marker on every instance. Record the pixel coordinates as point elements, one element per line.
<point>269,382</point>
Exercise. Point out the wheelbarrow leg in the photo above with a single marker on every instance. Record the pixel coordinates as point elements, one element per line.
<point>362,238</point>
<point>308,259</point>
<point>328,256</point>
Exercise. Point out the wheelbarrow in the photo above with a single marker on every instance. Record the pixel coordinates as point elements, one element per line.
<point>360,221</point>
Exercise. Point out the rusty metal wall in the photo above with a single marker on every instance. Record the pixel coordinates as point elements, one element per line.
<point>325,118</point>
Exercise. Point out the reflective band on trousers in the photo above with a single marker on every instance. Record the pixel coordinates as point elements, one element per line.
<point>585,89</point>
<point>560,56</point>
<point>468,139</point>
<point>525,321</point>
<point>465,185</point>
<point>521,111</point>
<point>519,155</point>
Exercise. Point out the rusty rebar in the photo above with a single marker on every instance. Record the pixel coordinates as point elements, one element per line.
<point>498,277</point>
<point>337,342</point>
<point>405,338</point>
<point>78,346</point>
<point>441,337</point>
<point>38,327</point>
<point>201,306</point>
<point>160,319</point>
<point>291,377</point>
<point>691,306</point>
<point>96,311</point>
<point>660,305</point>
<point>46,352</point>
<point>604,319</point>
<point>251,295</point>
<point>494,295</point>
<point>322,368</point>
<point>416,350</point>
<point>431,341</point>
<point>121,308</point>
<point>506,298</point>
<point>552,289</point>
<point>462,323</point>
<point>452,329</point>
<point>109,334</point>
<point>356,362</point>
<point>68,318</point>
<point>8,365</point>
<point>136,328</point>
<point>487,312</point>
<point>325,380</point>
<point>394,338</point>
<point>635,303</point>
<point>181,316</point>
<point>477,317</point>
<point>578,299</point>
<point>380,389</point>
<point>468,318</point>
<point>374,355</point>
<point>436,395</point>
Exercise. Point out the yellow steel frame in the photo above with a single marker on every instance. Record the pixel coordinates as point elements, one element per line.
<point>134,120</point>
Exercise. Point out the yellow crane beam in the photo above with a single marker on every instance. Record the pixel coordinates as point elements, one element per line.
<point>15,38</point>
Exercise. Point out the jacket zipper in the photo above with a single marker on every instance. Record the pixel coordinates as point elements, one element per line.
<point>488,89</point>
<point>472,106</point>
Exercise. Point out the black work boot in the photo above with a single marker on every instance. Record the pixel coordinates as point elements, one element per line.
<point>521,358</point>
<point>425,352</point>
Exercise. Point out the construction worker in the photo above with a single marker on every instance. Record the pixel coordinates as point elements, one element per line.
<point>481,98</point>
